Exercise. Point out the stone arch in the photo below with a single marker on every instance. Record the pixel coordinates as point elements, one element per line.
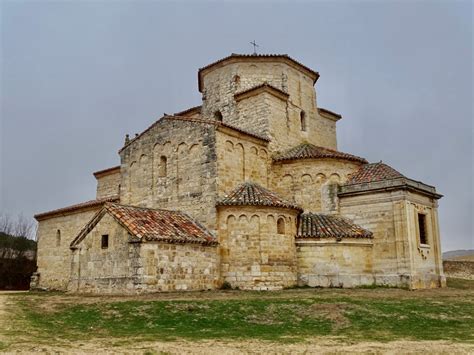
<point>181,171</point>
<point>229,146</point>
<point>218,116</point>
<point>163,166</point>
<point>306,179</point>
<point>320,178</point>
<point>255,224</point>
<point>230,220</point>
<point>243,218</point>
<point>335,178</point>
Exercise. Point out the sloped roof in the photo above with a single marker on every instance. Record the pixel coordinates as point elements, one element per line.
<point>75,208</point>
<point>310,151</point>
<point>374,172</point>
<point>315,225</point>
<point>252,194</point>
<point>235,56</point>
<point>146,224</point>
<point>107,171</point>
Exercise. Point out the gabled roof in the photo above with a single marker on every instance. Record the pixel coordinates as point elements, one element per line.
<point>252,194</point>
<point>374,172</point>
<point>329,114</point>
<point>146,224</point>
<point>197,121</point>
<point>236,57</point>
<point>76,208</point>
<point>315,225</point>
<point>310,151</point>
<point>195,109</point>
<point>379,177</point>
<point>264,87</point>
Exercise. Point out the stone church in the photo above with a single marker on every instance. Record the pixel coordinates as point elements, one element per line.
<point>247,190</point>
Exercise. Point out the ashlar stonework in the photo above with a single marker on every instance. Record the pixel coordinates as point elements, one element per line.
<point>247,190</point>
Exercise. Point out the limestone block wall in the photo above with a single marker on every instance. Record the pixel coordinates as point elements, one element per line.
<point>179,267</point>
<point>55,235</point>
<point>221,84</point>
<point>305,181</point>
<point>172,166</point>
<point>397,254</point>
<point>114,269</point>
<point>427,265</point>
<point>330,263</point>
<point>240,159</point>
<point>257,247</point>
<point>108,185</point>
<point>384,215</point>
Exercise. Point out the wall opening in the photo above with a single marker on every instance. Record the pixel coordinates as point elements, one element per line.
<point>422,228</point>
<point>58,238</point>
<point>281,226</point>
<point>104,242</point>
<point>303,121</point>
<point>218,116</point>
<point>163,168</point>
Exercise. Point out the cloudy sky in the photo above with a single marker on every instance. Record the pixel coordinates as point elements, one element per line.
<point>77,76</point>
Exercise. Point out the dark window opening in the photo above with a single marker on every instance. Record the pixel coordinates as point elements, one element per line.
<point>303,121</point>
<point>422,228</point>
<point>163,168</point>
<point>281,226</point>
<point>58,238</point>
<point>105,241</point>
<point>218,116</point>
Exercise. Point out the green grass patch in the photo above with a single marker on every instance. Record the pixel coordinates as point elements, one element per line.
<point>284,320</point>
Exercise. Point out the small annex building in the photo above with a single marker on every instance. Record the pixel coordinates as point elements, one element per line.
<point>248,190</point>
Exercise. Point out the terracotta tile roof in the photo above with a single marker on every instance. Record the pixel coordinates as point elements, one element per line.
<point>373,172</point>
<point>234,56</point>
<point>76,208</point>
<point>252,194</point>
<point>108,171</point>
<point>146,224</point>
<point>314,225</point>
<point>196,120</point>
<point>310,151</point>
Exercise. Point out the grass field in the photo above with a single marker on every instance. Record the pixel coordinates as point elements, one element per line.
<point>289,319</point>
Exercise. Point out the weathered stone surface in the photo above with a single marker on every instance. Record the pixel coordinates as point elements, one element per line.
<point>254,109</point>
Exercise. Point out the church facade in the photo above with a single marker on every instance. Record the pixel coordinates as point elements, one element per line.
<point>247,191</point>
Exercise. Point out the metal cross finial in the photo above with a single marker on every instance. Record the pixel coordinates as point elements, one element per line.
<point>255,45</point>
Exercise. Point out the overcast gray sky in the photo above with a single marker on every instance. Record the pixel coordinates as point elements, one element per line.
<point>77,76</point>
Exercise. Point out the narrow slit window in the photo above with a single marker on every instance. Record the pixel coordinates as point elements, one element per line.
<point>303,121</point>
<point>163,167</point>
<point>422,228</point>
<point>281,226</point>
<point>58,238</point>
<point>105,241</point>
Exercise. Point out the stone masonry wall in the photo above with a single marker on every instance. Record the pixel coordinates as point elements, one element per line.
<point>397,253</point>
<point>303,181</point>
<point>54,255</point>
<point>254,254</point>
<point>105,270</point>
<point>240,158</point>
<point>331,263</point>
<point>173,166</point>
<point>179,267</point>
<point>108,185</point>
<point>221,84</point>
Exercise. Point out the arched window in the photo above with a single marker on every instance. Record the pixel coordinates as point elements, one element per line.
<point>163,167</point>
<point>303,121</point>
<point>281,226</point>
<point>218,116</point>
<point>58,238</point>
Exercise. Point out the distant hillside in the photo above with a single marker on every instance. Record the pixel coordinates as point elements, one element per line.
<point>17,262</point>
<point>464,254</point>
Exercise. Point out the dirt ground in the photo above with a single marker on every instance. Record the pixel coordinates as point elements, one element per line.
<point>23,343</point>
